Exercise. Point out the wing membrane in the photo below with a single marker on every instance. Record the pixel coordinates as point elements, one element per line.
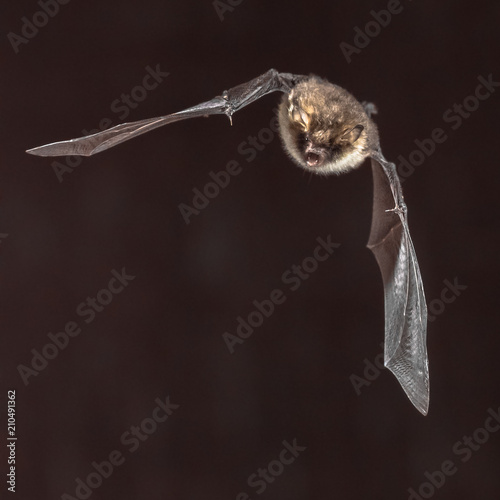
<point>405,352</point>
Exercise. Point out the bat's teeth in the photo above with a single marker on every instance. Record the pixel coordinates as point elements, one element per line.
<point>312,159</point>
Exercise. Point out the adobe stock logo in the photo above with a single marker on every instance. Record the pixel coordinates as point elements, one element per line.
<point>293,277</point>
<point>373,369</point>
<point>31,27</point>
<point>201,199</point>
<point>131,439</point>
<point>222,7</point>
<point>456,116</point>
<point>373,28</point>
<point>120,106</point>
<point>265,476</point>
<point>60,340</point>
<point>448,295</point>
<point>464,449</point>
<point>249,149</point>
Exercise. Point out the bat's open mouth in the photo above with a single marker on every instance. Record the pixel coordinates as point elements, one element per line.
<point>313,159</point>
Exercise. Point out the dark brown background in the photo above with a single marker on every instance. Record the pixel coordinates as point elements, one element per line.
<point>163,334</point>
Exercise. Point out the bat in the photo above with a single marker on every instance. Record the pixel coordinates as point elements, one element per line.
<point>325,130</point>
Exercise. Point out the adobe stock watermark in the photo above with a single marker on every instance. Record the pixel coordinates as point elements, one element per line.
<point>249,149</point>
<point>121,107</point>
<point>448,295</point>
<point>131,439</point>
<point>373,28</point>
<point>11,440</point>
<point>265,476</point>
<point>60,340</point>
<point>221,7</point>
<point>31,27</point>
<point>373,369</point>
<point>463,448</point>
<point>293,278</point>
<point>455,116</point>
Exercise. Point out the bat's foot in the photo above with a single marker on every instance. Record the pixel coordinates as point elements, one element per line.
<point>370,108</point>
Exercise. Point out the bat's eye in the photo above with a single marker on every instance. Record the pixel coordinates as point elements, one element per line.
<point>303,140</point>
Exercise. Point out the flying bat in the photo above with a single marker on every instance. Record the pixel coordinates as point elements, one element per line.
<point>325,130</point>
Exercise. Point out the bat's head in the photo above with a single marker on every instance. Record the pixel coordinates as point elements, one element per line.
<point>324,128</point>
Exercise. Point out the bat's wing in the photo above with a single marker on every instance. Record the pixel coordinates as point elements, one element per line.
<point>229,102</point>
<point>405,309</point>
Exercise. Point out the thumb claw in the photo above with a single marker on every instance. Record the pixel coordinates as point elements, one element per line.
<point>398,209</point>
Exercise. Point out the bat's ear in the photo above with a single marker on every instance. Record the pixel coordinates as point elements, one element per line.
<point>353,134</point>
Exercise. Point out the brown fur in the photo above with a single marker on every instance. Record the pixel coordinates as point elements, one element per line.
<point>317,122</point>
